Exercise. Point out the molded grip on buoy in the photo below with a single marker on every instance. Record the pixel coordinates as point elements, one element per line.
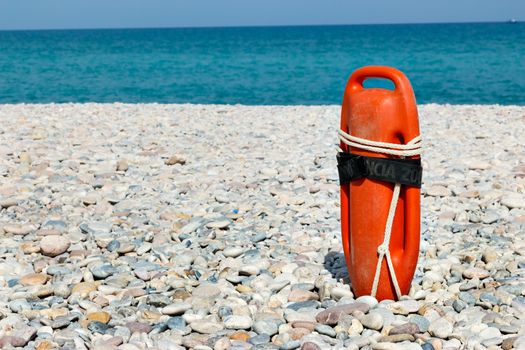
<point>386,116</point>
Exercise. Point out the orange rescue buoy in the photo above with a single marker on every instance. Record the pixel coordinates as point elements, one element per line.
<point>379,161</point>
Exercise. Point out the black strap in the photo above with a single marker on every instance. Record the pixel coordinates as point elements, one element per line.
<point>396,170</point>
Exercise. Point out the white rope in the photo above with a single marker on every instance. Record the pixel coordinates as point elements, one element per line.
<point>412,148</point>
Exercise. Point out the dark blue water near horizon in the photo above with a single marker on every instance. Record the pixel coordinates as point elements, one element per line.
<point>481,63</point>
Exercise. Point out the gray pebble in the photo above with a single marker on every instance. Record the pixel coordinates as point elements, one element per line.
<point>290,345</point>
<point>176,323</point>
<point>259,339</point>
<point>326,330</point>
<point>98,327</point>
<point>303,305</point>
<point>467,298</point>
<point>422,322</point>
<point>266,327</point>
<point>459,305</point>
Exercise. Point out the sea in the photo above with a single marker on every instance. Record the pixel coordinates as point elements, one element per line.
<point>476,63</point>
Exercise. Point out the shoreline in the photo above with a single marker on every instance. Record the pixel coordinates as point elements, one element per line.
<point>237,105</point>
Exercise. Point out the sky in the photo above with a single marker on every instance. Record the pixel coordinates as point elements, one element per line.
<point>68,14</point>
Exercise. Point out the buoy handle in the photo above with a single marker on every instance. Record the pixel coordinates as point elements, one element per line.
<point>401,83</point>
<point>402,87</point>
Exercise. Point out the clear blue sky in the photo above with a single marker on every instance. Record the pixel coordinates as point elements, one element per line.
<point>51,14</point>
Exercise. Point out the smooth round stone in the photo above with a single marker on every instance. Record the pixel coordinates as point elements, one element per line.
<point>113,245</point>
<point>34,279</point>
<point>138,327</point>
<point>176,323</point>
<point>326,330</point>
<point>265,327</point>
<point>342,335</point>
<point>249,270</point>
<point>96,228</point>
<point>224,311</point>
<point>422,322</point>
<point>19,305</point>
<point>290,345</point>
<point>206,327</point>
<point>492,341</point>
<point>339,292</point>
<point>490,298</point>
<point>126,248</point>
<point>467,298</point>
<point>98,327</point>
<point>233,252</point>
<point>238,322</point>
<point>143,248</point>
<point>252,254</point>
<point>476,272</point>
<point>189,228</point>
<point>310,346</point>
<point>407,328</point>
<point>235,279</point>
<point>176,308</point>
<point>221,224</point>
<point>8,202</point>
<point>13,282</point>
<point>438,191</point>
<point>440,328</point>
<point>507,329</point>
<point>259,237</point>
<point>490,332</point>
<point>160,300</point>
<point>55,270</point>
<point>63,321</point>
<point>332,315</point>
<point>369,300</point>
<point>184,236</point>
<point>84,288</point>
<point>468,285</point>
<point>259,339</point>
<point>44,331</point>
<point>303,305</point>
<point>20,230</point>
<point>356,327</point>
<point>55,224</point>
<point>427,346</point>
<point>103,271</point>
<point>489,255</point>
<point>122,165</point>
<point>206,291</point>
<point>240,336</point>
<point>403,307</point>
<point>90,199</point>
<point>513,201</point>
<point>142,274</point>
<point>99,316</point>
<point>459,305</point>
<point>303,286</point>
<point>298,295</point>
<point>373,320</point>
<point>122,332</point>
<point>54,245</point>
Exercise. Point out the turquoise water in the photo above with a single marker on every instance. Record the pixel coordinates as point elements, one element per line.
<point>447,63</point>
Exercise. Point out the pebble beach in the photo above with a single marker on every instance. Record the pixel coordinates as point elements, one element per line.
<point>152,226</point>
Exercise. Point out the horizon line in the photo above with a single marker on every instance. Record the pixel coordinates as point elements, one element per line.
<point>256,26</point>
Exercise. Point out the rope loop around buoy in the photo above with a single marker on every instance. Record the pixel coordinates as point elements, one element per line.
<point>411,148</point>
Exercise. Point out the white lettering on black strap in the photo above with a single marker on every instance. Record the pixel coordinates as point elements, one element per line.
<point>404,171</point>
